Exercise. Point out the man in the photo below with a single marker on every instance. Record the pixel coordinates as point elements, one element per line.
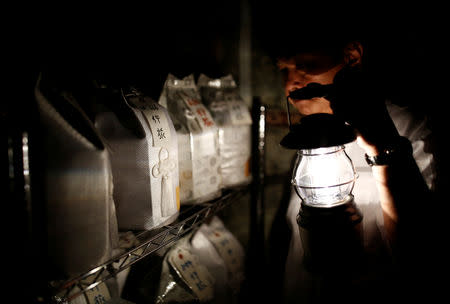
<point>396,172</point>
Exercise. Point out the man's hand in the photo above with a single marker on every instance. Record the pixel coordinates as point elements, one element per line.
<point>356,100</point>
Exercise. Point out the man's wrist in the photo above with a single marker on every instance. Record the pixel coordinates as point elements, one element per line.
<point>388,153</point>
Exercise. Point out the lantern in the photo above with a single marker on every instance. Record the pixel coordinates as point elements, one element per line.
<point>323,175</point>
<point>323,178</point>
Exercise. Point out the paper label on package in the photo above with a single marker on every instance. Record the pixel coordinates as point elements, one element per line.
<point>200,111</point>
<point>228,248</point>
<point>205,164</point>
<point>98,295</point>
<point>239,113</point>
<point>206,179</point>
<point>155,117</point>
<point>194,274</point>
<point>205,145</point>
<point>157,120</point>
<point>166,164</point>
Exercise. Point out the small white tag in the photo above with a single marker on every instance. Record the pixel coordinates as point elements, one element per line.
<point>228,248</point>
<point>195,275</point>
<point>199,110</point>
<point>158,122</point>
<point>230,251</point>
<point>239,113</point>
<point>156,119</point>
<point>98,295</point>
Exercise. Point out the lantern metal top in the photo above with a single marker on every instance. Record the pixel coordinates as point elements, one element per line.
<point>318,130</point>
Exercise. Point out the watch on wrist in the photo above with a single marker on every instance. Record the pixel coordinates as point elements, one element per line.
<point>393,152</point>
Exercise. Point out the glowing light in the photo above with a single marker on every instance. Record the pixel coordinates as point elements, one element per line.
<point>324,177</point>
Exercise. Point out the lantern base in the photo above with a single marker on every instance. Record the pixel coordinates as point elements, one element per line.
<point>332,237</point>
<point>344,201</point>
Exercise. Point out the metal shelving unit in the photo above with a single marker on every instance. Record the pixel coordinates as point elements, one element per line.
<point>39,290</point>
<point>150,241</point>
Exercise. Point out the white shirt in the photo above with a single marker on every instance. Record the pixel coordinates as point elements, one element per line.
<point>299,284</point>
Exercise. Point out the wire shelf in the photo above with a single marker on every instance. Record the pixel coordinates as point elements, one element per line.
<point>149,242</point>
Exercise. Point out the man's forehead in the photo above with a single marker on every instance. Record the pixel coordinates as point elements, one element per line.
<point>305,57</point>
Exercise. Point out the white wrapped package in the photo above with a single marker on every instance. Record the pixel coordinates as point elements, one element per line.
<point>223,255</point>
<point>233,118</point>
<point>75,183</point>
<point>191,270</point>
<point>144,158</point>
<point>230,251</point>
<point>198,147</point>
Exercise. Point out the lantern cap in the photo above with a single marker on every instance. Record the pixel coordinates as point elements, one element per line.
<point>317,131</point>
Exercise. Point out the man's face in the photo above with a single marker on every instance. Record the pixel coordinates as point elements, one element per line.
<point>302,69</point>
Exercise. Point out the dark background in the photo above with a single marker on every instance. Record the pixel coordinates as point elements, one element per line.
<point>143,44</point>
<point>126,44</point>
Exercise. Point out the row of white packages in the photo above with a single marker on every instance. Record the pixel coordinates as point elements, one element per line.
<point>183,155</point>
<point>213,126</point>
<point>125,165</point>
